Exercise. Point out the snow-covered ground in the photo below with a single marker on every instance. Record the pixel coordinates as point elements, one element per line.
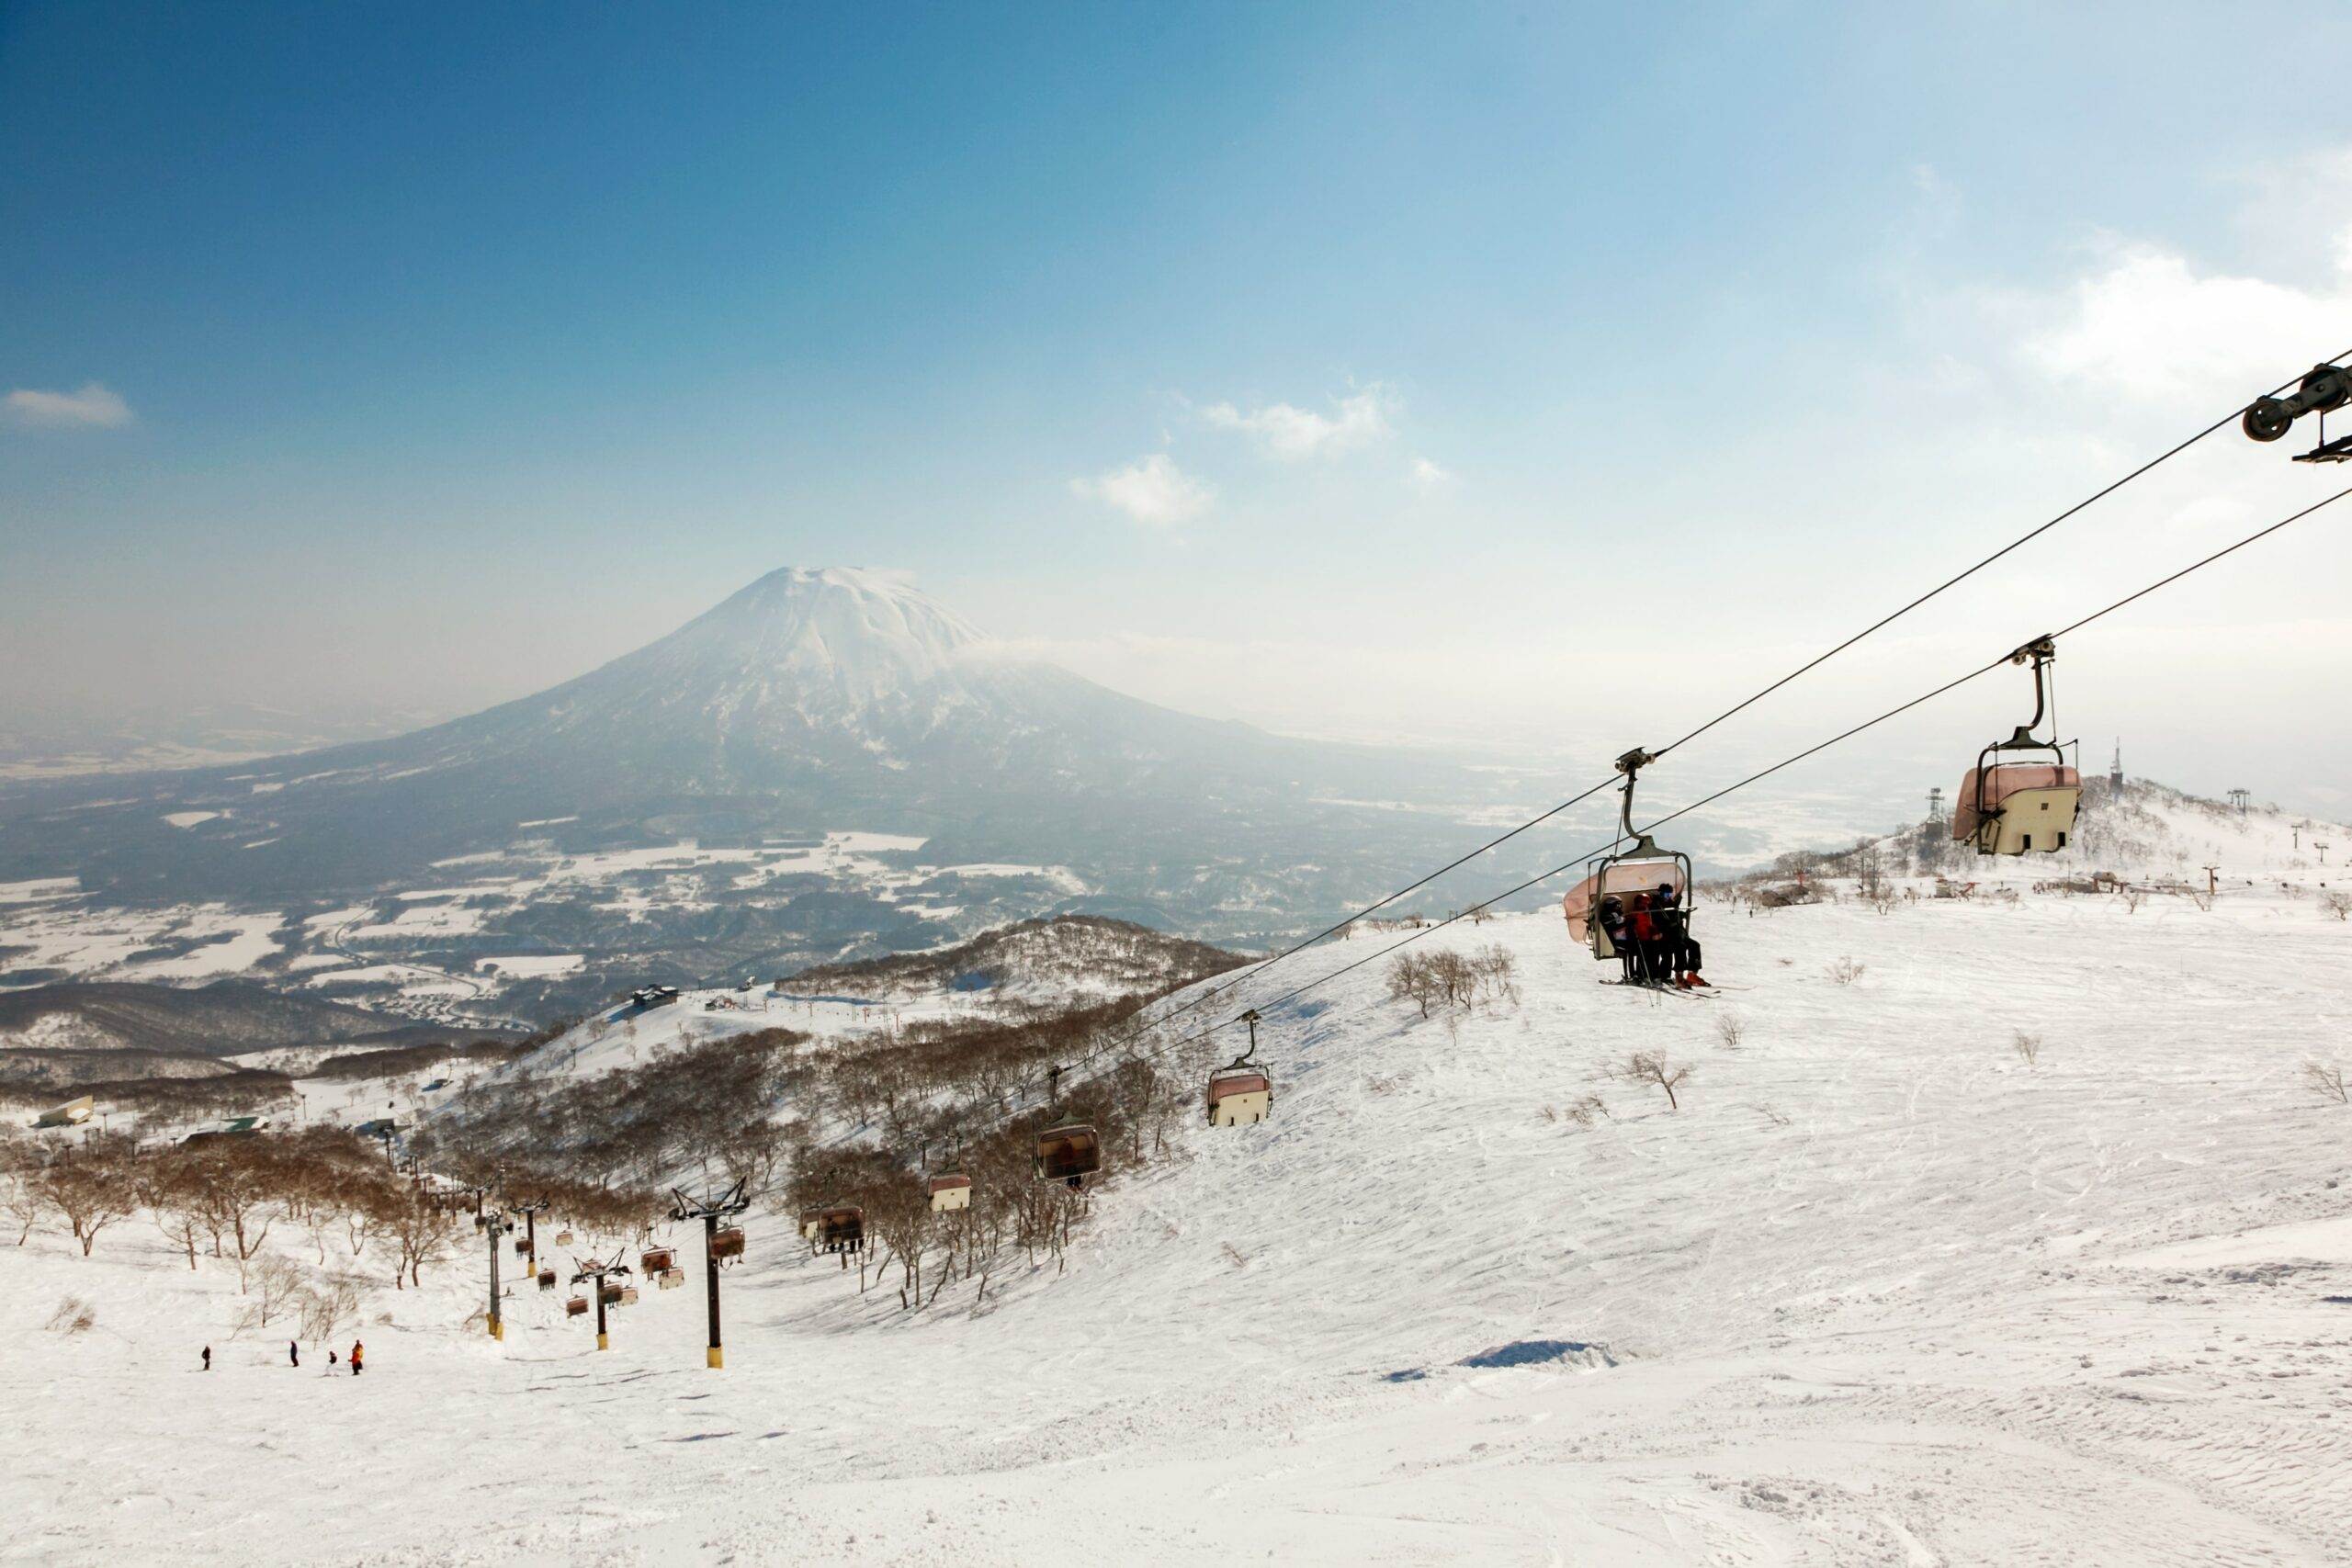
<point>1880,1292</point>
<point>390,951</point>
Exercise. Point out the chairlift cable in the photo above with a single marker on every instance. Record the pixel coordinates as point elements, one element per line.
<point>2021,539</point>
<point>1823,746</point>
<point>1761,773</point>
<point>1811,665</point>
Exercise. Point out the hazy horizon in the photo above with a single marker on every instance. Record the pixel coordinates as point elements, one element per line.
<point>1348,375</point>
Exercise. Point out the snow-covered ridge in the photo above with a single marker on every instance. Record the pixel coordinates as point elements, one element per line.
<point>1006,974</point>
<point>2147,832</point>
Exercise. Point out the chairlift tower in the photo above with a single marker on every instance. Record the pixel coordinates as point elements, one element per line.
<point>496,1231</point>
<point>2115,768</point>
<point>531,1212</point>
<point>1935,806</point>
<point>710,1210</point>
<point>2238,798</point>
<point>597,1270</point>
<point>2320,845</point>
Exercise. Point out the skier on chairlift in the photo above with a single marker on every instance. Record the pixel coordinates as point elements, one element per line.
<point>1675,941</point>
<point>1620,936</point>
<point>1647,949</point>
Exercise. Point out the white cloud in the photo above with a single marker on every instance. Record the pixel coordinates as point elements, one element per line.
<point>2150,327</point>
<point>1295,434</point>
<point>1428,474</point>
<point>1151,489</point>
<point>92,408</point>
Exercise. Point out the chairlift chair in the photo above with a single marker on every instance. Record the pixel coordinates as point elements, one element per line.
<point>629,1295</point>
<point>673,1277</point>
<point>611,1292</point>
<point>576,1307</point>
<point>2025,807</point>
<point>654,1260</point>
<point>1069,1154</point>
<point>546,1279</point>
<point>841,1229</point>
<point>949,1193</point>
<point>1239,1092</point>
<point>522,1246</point>
<point>563,1238</point>
<point>808,1218</point>
<point>1642,867</point>
<point>727,1242</point>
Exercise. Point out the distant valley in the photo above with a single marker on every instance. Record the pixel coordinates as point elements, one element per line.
<point>827,766</point>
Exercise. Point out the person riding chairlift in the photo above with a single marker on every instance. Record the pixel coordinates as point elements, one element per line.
<point>1678,950</point>
<point>1647,950</point>
<point>1613,924</point>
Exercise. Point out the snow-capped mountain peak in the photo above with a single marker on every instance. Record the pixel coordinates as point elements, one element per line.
<point>830,643</point>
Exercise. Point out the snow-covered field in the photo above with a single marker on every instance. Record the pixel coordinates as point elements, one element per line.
<point>1879,1292</point>
<point>390,951</point>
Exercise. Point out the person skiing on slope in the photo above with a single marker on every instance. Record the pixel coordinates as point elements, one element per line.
<point>358,1352</point>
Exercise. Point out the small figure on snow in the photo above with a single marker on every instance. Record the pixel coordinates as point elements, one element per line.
<point>294,1351</point>
<point>208,1357</point>
<point>358,1352</point>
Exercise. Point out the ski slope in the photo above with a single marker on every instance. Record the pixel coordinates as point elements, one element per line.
<point>1880,1292</point>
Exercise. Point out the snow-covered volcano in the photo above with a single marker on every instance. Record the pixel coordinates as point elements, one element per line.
<point>824,690</point>
<point>832,648</point>
<point>812,701</point>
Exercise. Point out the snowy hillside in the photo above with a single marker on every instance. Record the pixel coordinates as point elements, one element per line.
<point>1882,1290</point>
<point>2147,834</point>
<point>1010,974</point>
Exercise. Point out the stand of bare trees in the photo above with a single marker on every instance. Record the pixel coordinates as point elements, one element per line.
<point>1454,981</point>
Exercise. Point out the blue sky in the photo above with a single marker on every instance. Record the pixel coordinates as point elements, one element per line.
<point>1336,367</point>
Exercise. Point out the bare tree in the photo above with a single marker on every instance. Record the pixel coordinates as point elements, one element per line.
<point>2327,1081</point>
<point>1582,1110</point>
<point>1410,979</point>
<point>274,1287</point>
<point>2026,1046</point>
<point>92,1192</point>
<point>2337,902</point>
<point>20,1197</point>
<point>419,1229</point>
<point>1498,971</point>
<point>233,1187</point>
<point>171,1198</point>
<point>1652,1066</point>
<point>1731,1029</point>
<point>73,1315</point>
<point>1845,971</point>
<point>327,1306</point>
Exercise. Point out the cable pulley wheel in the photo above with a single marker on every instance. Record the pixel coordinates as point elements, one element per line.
<point>2267,419</point>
